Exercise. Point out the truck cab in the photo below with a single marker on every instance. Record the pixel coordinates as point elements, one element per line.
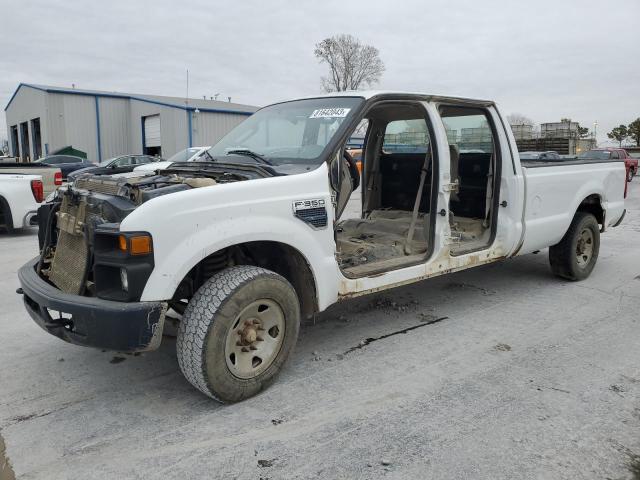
<point>239,248</point>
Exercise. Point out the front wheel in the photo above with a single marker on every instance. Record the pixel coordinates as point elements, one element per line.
<point>237,332</point>
<point>576,254</point>
<point>630,175</point>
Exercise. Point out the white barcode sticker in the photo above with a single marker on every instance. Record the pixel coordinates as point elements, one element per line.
<point>330,113</point>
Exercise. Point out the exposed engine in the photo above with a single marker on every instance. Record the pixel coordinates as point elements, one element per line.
<point>68,224</point>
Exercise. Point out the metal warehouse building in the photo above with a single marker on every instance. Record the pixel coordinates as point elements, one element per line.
<point>42,119</point>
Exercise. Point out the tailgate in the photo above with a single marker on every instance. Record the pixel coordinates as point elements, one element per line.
<point>48,175</point>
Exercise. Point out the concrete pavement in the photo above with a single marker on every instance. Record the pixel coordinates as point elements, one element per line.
<point>527,377</point>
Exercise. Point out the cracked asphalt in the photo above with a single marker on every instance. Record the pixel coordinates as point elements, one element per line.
<point>527,377</point>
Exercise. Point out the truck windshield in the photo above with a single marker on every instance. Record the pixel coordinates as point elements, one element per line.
<point>290,132</point>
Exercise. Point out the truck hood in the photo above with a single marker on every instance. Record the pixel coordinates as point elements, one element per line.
<point>116,196</point>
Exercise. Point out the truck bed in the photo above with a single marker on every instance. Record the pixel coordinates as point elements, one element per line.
<point>554,189</point>
<point>47,173</point>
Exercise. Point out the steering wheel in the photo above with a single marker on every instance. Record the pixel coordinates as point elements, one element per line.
<point>353,170</point>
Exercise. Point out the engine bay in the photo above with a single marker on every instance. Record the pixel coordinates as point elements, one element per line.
<point>69,222</point>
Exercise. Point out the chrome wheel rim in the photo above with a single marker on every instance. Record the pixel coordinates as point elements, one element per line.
<point>584,247</point>
<point>255,339</point>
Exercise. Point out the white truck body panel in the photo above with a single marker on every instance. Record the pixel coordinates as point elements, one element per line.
<point>15,189</point>
<point>554,193</point>
<point>47,174</point>
<point>205,220</point>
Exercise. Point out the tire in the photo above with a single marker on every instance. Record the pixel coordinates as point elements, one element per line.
<point>570,259</point>
<point>630,175</point>
<point>213,354</point>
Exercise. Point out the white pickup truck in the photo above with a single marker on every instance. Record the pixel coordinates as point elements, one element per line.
<point>20,196</point>
<point>244,246</point>
<point>51,176</point>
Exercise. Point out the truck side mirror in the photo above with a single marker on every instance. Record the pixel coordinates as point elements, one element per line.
<point>335,168</point>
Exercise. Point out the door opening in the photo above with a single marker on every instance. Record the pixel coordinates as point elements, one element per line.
<point>395,226</point>
<point>24,137</point>
<point>475,173</point>
<point>15,142</point>
<point>151,138</point>
<point>36,138</point>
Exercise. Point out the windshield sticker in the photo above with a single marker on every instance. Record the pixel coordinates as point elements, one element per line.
<point>330,113</point>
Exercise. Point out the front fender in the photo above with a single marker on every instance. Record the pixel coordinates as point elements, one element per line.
<point>188,226</point>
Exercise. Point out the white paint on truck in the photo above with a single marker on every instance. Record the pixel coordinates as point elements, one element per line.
<point>539,204</point>
<point>16,196</point>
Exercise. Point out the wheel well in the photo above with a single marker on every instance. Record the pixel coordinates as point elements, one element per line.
<point>6,219</point>
<point>593,205</point>
<point>275,256</point>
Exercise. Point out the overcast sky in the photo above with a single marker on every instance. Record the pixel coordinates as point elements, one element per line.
<point>544,59</point>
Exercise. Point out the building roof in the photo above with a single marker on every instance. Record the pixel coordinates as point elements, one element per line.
<point>175,102</point>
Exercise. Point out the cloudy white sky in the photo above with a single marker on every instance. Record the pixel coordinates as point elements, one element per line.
<point>544,59</point>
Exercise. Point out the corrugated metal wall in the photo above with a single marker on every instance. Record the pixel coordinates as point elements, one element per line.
<point>80,128</point>
<point>115,126</point>
<point>173,127</point>
<point>209,127</point>
<point>30,104</point>
<point>55,115</point>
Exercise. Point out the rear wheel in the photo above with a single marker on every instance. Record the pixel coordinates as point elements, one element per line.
<point>237,332</point>
<point>575,256</point>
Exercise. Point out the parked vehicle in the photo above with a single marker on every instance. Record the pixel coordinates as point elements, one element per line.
<point>191,154</point>
<point>631,164</point>
<point>549,155</point>
<point>121,164</point>
<point>66,163</point>
<point>20,196</point>
<point>356,154</point>
<point>51,176</point>
<point>244,246</point>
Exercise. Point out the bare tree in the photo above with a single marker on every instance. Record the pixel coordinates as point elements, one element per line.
<point>351,63</point>
<point>519,119</point>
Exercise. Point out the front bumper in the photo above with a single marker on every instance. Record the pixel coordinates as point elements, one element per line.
<point>91,322</point>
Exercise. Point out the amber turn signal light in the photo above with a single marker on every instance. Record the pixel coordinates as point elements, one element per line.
<point>137,245</point>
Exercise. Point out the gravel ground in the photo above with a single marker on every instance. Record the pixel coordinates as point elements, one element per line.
<point>527,376</point>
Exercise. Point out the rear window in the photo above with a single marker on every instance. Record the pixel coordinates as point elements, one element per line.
<point>468,129</point>
<point>406,136</point>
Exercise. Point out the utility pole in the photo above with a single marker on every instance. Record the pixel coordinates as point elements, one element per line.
<point>186,98</point>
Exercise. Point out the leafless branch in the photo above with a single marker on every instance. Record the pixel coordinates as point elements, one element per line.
<point>351,63</point>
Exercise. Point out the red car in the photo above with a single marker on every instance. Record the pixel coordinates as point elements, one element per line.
<point>630,163</point>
